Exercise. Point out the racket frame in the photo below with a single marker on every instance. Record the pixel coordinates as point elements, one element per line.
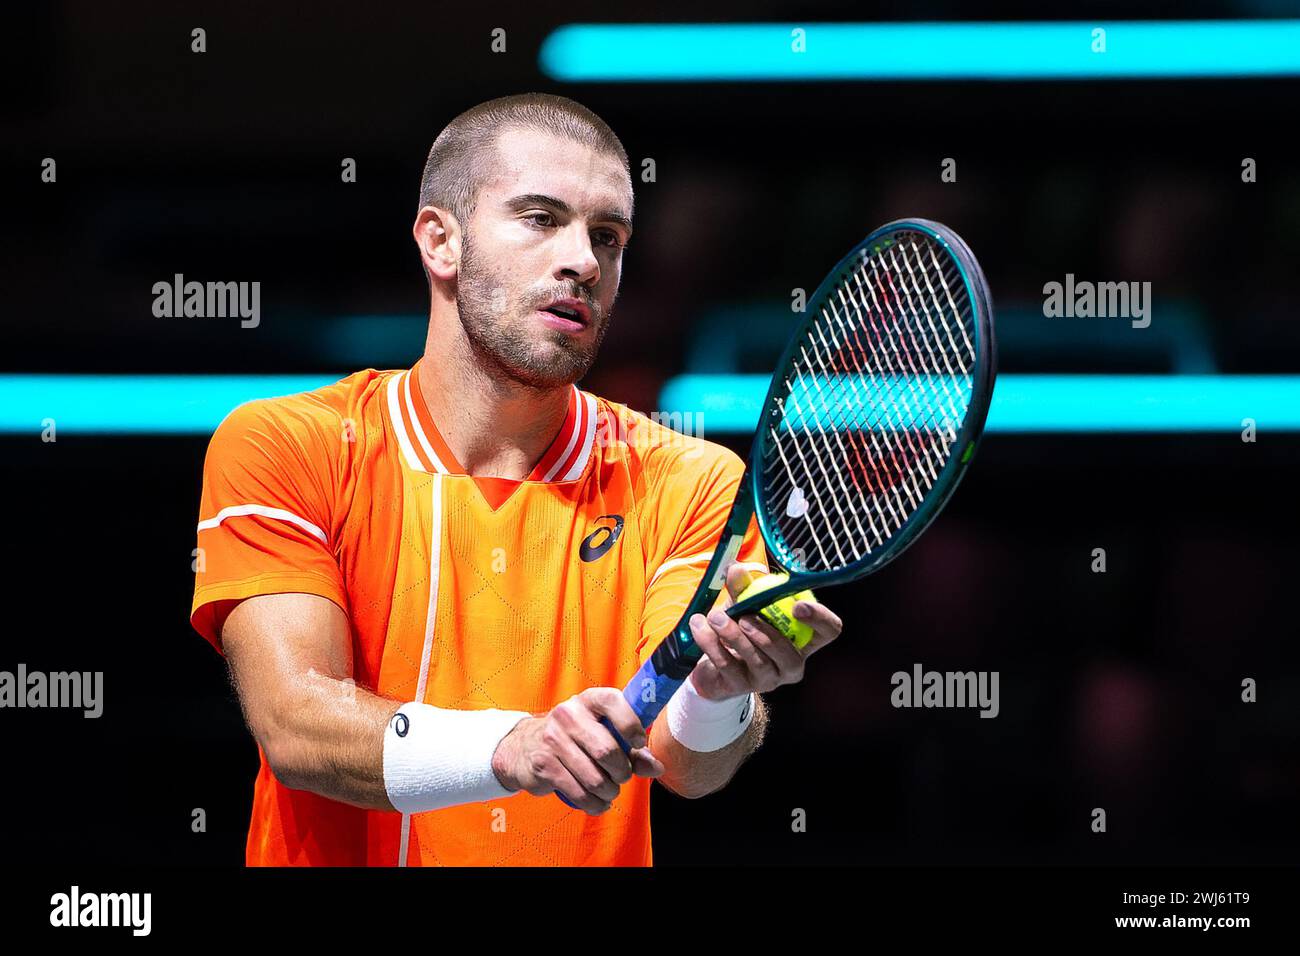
<point>679,651</point>
<point>967,437</point>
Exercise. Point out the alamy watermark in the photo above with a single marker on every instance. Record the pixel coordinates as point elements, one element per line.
<point>78,909</point>
<point>208,300</point>
<point>922,688</point>
<point>675,429</point>
<point>1102,300</point>
<point>76,690</point>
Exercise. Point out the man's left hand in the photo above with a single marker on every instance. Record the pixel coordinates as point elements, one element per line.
<point>750,654</point>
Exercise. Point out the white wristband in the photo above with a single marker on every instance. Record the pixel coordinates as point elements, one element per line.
<point>434,757</point>
<point>706,725</point>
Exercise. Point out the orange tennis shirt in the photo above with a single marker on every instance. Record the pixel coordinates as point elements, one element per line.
<point>461,592</point>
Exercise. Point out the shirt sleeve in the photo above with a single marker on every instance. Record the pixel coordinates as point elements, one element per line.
<point>694,503</point>
<point>265,513</point>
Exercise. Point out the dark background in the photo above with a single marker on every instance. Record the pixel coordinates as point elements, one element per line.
<point>1119,690</point>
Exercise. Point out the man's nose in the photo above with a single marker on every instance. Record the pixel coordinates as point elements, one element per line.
<point>577,260</point>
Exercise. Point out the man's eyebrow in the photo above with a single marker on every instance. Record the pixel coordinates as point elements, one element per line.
<point>560,206</point>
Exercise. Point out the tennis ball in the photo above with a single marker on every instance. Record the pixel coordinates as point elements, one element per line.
<point>781,614</point>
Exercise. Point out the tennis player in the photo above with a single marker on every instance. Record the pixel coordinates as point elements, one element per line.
<point>431,584</point>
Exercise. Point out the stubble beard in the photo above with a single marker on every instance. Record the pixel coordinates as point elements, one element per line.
<point>533,356</point>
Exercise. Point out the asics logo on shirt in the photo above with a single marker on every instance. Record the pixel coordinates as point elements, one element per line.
<point>596,544</point>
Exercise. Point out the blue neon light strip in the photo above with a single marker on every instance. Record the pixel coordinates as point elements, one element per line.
<point>144,404</point>
<point>921,51</point>
<point>1049,403</point>
<point>878,402</point>
<point>196,404</point>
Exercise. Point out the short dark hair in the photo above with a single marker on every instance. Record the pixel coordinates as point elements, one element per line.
<point>463,156</point>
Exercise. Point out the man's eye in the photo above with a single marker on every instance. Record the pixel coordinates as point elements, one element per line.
<point>534,217</point>
<point>608,238</point>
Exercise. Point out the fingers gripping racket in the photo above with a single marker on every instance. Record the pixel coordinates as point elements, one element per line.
<point>872,418</point>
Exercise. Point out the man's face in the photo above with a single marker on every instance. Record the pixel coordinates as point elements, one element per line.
<point>551,225</point>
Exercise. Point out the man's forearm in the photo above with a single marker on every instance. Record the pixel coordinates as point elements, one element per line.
<point>350,745</point>
<point>291,662</point>
<point>693,774</point>
<point>329,740</point>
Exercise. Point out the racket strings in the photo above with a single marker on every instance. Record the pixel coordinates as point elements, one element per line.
<point>871,404</point>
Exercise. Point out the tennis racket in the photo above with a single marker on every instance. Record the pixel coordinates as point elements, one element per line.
<point>872,418</point>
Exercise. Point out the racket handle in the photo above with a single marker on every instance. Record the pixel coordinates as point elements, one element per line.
<point>649,691</point>
<point>618,736</point>
<point>647,694</point>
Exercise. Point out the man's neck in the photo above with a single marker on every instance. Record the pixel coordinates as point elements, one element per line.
<point>494,428</point>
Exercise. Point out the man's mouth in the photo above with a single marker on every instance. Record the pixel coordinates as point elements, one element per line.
<point>571,309</point>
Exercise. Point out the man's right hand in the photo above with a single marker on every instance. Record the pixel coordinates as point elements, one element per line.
<point>572,752</point>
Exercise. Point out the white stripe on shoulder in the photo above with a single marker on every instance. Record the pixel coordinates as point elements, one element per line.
<point>438,466</point>
<point>588,433</point>
<point>235,511</point>
<point>703,557</point>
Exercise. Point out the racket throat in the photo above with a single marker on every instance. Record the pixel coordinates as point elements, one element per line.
<point>729,553</point>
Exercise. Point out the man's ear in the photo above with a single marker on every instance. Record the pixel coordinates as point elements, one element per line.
<point>438,236</point>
